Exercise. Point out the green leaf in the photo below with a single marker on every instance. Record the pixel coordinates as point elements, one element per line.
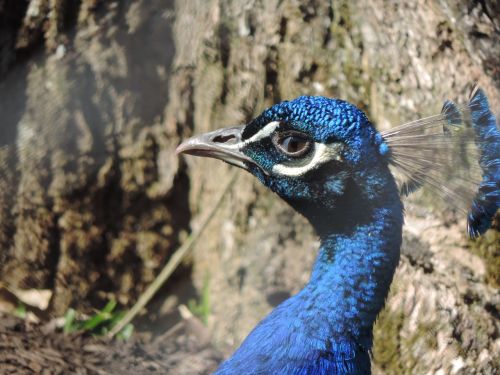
<point>20,310</point>
<point>69,321</point>
<point>201,308</point>
<point>126,332</point>
<point>98,324</point>
<point>100,317</point>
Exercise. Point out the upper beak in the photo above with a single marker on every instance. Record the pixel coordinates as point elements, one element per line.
<point>224,144</point>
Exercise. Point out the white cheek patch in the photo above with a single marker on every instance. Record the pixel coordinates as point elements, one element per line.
<point>322,153</point>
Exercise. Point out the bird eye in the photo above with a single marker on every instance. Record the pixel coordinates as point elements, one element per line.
<point>292,144</point>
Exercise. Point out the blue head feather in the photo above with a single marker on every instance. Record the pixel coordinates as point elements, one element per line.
<point>325,121</point>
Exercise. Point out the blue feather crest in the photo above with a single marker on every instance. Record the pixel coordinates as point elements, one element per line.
<point>487,200</point>
<point>457,154</point>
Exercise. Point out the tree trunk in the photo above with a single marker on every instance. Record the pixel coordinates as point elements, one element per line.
<point>91,209</point>
<point>93,199</point>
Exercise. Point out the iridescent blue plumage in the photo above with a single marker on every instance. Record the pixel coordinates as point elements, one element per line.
<point>487,201</point>
<point>326,160</point>
<point>343,185</point>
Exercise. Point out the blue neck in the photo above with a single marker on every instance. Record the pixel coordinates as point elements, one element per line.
<point>327,326</point>
<point>361,236</point>
<point>353,273</point>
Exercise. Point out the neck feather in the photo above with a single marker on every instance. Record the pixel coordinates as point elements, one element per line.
<point>327,326</point>
<point>360,250</point>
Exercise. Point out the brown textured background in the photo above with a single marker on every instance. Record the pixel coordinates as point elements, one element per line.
<point>95,95</point>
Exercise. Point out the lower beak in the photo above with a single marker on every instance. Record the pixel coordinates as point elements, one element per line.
<point>223,144</point>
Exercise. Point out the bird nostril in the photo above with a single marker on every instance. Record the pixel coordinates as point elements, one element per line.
<point>229,138</point>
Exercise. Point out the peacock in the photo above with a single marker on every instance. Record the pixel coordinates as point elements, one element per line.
<point>329,163</point>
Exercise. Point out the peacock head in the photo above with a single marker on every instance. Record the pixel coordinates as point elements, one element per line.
<point>311,151</point>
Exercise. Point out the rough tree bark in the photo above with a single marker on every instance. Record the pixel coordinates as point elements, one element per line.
<point>97,211</point>
<point>91,207</point>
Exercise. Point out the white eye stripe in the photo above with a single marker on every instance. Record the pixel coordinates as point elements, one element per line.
<point>322,154</point>
<point>266,131</point>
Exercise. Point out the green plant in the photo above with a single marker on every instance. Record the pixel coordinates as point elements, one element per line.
<point>20,310</point>
<point>201,308</point>
<point>99,324</point>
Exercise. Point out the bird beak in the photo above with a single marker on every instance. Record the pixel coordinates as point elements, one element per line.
<point>223,144</point>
